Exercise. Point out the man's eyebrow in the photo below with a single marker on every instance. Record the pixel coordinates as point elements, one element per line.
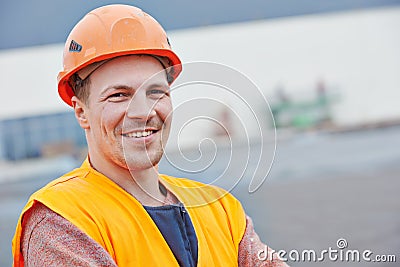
<point>157,84</point>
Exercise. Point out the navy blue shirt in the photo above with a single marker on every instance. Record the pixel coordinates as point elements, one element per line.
<point>175,225</point>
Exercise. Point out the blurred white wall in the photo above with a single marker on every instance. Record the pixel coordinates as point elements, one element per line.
<point>29,81</point>
<point>354,52</point>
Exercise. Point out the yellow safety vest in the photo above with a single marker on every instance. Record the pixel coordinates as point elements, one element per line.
<point>118,222</point>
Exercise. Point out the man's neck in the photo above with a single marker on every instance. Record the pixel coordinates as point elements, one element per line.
<point>141,184</point>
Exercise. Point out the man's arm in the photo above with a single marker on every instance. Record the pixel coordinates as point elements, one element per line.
<point>249,248</point>
<point>50,240</point>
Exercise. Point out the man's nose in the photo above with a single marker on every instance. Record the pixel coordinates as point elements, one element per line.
<point>140,107</point>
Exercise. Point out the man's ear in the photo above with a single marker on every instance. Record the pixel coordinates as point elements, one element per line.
<point>80,110</point>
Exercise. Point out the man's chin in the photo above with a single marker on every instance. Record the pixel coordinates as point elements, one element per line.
<point>142,163</point>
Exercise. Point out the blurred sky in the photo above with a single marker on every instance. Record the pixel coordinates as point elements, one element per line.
<point>27,23</point>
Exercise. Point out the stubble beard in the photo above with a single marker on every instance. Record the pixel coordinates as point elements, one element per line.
<point>143,157</point>
<point>140,159</point>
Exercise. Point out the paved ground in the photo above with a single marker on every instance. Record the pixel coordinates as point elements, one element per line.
<point>364,209</point>
<point>321,188</point>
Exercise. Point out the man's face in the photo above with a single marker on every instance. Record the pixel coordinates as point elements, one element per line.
<point>129,112</point>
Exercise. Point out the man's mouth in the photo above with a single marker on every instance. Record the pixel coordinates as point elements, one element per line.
<point>139,134</point>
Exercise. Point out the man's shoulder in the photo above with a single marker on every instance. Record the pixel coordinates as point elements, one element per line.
<point>65,181</point>
<point>190,184</point>
<point>200,193</point>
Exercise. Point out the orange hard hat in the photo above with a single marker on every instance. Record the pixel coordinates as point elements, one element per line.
<point>112,31</point>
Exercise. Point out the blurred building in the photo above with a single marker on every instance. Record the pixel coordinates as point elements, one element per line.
<point>40,135</point>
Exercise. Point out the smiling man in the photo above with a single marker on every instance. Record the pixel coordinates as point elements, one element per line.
<point>127,117</point>
<point>116,209</point>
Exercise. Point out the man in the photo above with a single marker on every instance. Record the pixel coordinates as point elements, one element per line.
<point>116,209</point>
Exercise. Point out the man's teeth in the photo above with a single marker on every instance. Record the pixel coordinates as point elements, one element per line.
<point>139,134</point>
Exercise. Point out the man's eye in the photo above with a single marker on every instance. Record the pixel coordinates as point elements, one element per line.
<point>156,92</point>
<point>117,96</point>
